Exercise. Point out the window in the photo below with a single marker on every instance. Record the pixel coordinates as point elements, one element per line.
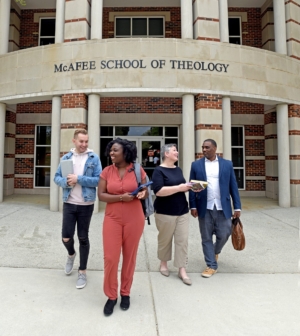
<point>238,154</point>
<point>42,159</point>
<point>47,31</point>
<point>139,27</point>
<point>235,35</point>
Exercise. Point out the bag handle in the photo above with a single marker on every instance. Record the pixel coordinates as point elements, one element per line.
<point>236,221</point>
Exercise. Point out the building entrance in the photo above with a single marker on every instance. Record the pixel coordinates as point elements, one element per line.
<point>148,151</point>
<point>148,140</point>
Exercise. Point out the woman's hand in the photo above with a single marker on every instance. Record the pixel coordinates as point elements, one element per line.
<point>142,194</point>
<point>184,187</point>
<point>127,197</point>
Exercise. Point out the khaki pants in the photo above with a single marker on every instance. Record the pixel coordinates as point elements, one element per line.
<point>169,226</point>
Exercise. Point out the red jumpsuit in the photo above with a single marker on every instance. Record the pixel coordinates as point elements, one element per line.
<point>122,229</point>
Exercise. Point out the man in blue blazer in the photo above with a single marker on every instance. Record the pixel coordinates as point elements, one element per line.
<point>212,205</point>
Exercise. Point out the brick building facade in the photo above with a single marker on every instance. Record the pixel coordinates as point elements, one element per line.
<point>172,71</point>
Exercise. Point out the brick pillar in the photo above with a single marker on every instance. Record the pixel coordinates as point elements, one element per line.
<point>294,135</point>
<point>206,20</point>
<point>271,154</point>
<point>267,26</point>
<point>208,121</point>
<point>9,153</point>
<point>73,115</point>
<point>292,16</point>
<point>14,28</point>
<point>77,20</point>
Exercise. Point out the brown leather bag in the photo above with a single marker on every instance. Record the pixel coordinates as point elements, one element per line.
<point>237,235</point>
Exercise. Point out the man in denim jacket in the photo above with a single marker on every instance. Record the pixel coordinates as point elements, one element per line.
<point>79,194</point>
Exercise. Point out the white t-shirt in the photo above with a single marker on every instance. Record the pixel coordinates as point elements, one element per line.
<point>79,160</point>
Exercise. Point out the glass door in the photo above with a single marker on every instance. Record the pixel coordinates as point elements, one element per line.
<point>149,154</point>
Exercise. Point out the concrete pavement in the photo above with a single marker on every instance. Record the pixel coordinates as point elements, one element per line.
<point>255,292</point>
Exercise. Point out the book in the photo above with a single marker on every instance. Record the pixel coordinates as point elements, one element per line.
<point>198,185</point>
<point>66,167</point>
<point>138,189</point>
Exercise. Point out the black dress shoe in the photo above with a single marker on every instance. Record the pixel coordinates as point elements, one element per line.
<point>109,307</point>
<point>125,302</point>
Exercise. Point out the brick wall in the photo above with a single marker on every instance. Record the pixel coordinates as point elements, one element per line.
<point>29,36</point>
<point>76,100</point>
<point>204,129</point>
<point>294,111</point>
<point>251,30</point>
<point>254,146</point>
<point>246,108</point>
<point>24,146</point>
<point>141,105</point>
<point>35,107</point>
<point>10,117</point>
<point>24,166</point>
<point>208,101</point>
<point>172,28</point>
<point>23,183</point>
<point>9,153</point>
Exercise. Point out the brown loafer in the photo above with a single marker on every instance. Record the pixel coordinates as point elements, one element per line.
<point>186,281</point>
<point>165,273</point>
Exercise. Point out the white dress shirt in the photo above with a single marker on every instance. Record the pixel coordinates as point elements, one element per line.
<point>213,188</point>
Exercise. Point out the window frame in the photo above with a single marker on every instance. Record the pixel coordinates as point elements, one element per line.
<point>35,154</point>
<point>244,158</point>
<point>241,33</point>
<point>40,26</point>
<point>139,17</point>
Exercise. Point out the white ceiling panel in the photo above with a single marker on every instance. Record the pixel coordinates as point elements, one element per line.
<point>42,4</point>
<point>246,3</point>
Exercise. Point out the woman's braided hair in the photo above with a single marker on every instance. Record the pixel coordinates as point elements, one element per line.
<point>129,149</point>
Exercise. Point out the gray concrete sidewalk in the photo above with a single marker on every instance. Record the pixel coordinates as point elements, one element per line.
<point>255,292</point>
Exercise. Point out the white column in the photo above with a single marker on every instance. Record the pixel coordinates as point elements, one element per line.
<point>280,26</point>
<point>188,134</point>
<point>96,18</point>
<point>55,151</point>
<point>284,194</point>
<point>226,121</point>
<point>2,142</point>
<point>60,21</point>
<point>223,17</point>
<point>94,129</point>
<point>4,25</point>
<point>186,19</point>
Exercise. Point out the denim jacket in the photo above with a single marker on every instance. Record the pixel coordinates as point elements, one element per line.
<point>89,180</point>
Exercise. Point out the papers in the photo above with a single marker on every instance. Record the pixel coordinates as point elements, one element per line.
<point>198,185</point>
<point>137,190</point>
<point>66,167</point>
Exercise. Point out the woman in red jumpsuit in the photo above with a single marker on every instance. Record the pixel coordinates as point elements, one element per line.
<point>124,220</point>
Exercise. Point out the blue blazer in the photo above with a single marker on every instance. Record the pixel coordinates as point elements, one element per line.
<point>228,187</point>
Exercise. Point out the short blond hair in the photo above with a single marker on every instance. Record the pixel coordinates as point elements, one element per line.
<point>80,131</point>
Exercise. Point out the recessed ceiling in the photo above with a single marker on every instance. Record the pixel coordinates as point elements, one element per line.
<point>44,4</point>
<point>34,4</point>
<point>246,3</point>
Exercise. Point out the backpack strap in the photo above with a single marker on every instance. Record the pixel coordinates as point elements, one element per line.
<point>137,170</point>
